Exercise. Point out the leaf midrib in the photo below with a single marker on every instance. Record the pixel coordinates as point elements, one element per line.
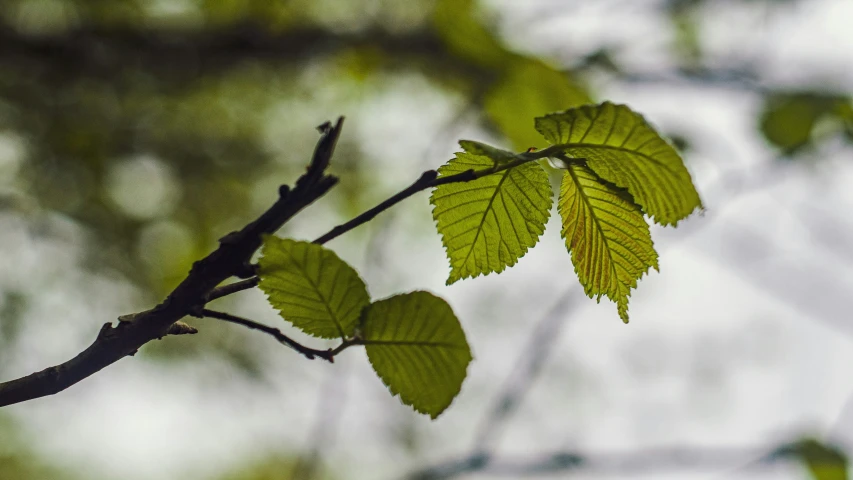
<point>624,150</point>
<point>597,221</point>
<point>317,289</point>
<point>485,214</point>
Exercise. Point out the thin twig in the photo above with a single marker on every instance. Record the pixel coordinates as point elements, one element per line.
<point>332,397</point>
<point>230,288</point>
<point>431,179</point>
<point>428,179</point>
<point>309,353</point>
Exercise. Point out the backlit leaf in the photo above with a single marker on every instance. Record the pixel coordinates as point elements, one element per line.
<point>606,234</point>
<point>417,347</point>
<point>312,288</point>
<point>487,224</point>
<point>620,147</point>
<point>823,461</point>
<point>529,88</point>
<point>496,154</point>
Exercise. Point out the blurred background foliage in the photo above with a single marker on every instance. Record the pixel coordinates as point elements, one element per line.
<point>156,126</point>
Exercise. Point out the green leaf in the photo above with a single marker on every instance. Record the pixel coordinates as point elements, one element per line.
<point>496,154</point>
<point>824,462</point>
<point>487,224</point>
<point>606,233</point>
<point>788,119</point>
<point>417,347</point>
<point>312,288</point>
<point>530,88</point>
<point>620,147</point>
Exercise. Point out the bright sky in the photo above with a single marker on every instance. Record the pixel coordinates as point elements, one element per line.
<point>742,339</point>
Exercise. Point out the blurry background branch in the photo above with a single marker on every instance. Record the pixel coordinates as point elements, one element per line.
<point>179,56</point>
<point>527,368</point>
<point>826,460</point>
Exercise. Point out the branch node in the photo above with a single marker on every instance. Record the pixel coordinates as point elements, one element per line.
<point>181,328</point>
<point>428,176</point>
<point>105,329</point>
<point>231,238</point>
<point>325,127</point>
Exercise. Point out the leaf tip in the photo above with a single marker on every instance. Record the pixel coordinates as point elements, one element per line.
<point>622,308</point>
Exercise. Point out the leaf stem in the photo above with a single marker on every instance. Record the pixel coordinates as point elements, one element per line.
<point>230,288</point>
<point>307,352</point>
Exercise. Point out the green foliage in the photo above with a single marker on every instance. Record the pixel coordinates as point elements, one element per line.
<point>488,224</point>
<point>620,147</point>
<point>605,232</point>
<point>527,89</point>
<point>824,462</point>
<point>618,168</point>
<point>20,461</point>
<point>497,155</point>
<point>416,345</point>
<point>414,341</point>
<point>311,287</point>
<point>519,87</point>
<point>788,119</point>
<point>455,23</point>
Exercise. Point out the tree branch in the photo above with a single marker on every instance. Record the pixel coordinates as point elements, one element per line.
<point>182,55</point>
<point>230,288</point>
<point>428,179</point>
<point>103,52</point>
<point>231,258</point>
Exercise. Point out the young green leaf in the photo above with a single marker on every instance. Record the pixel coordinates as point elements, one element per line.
<point>606,233</point>
<point>487,224</point>
<point>417,347</point>
<point>823,461</point>
<point>312,288</point>
<point>496,154</point>
<point>620,147</point>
